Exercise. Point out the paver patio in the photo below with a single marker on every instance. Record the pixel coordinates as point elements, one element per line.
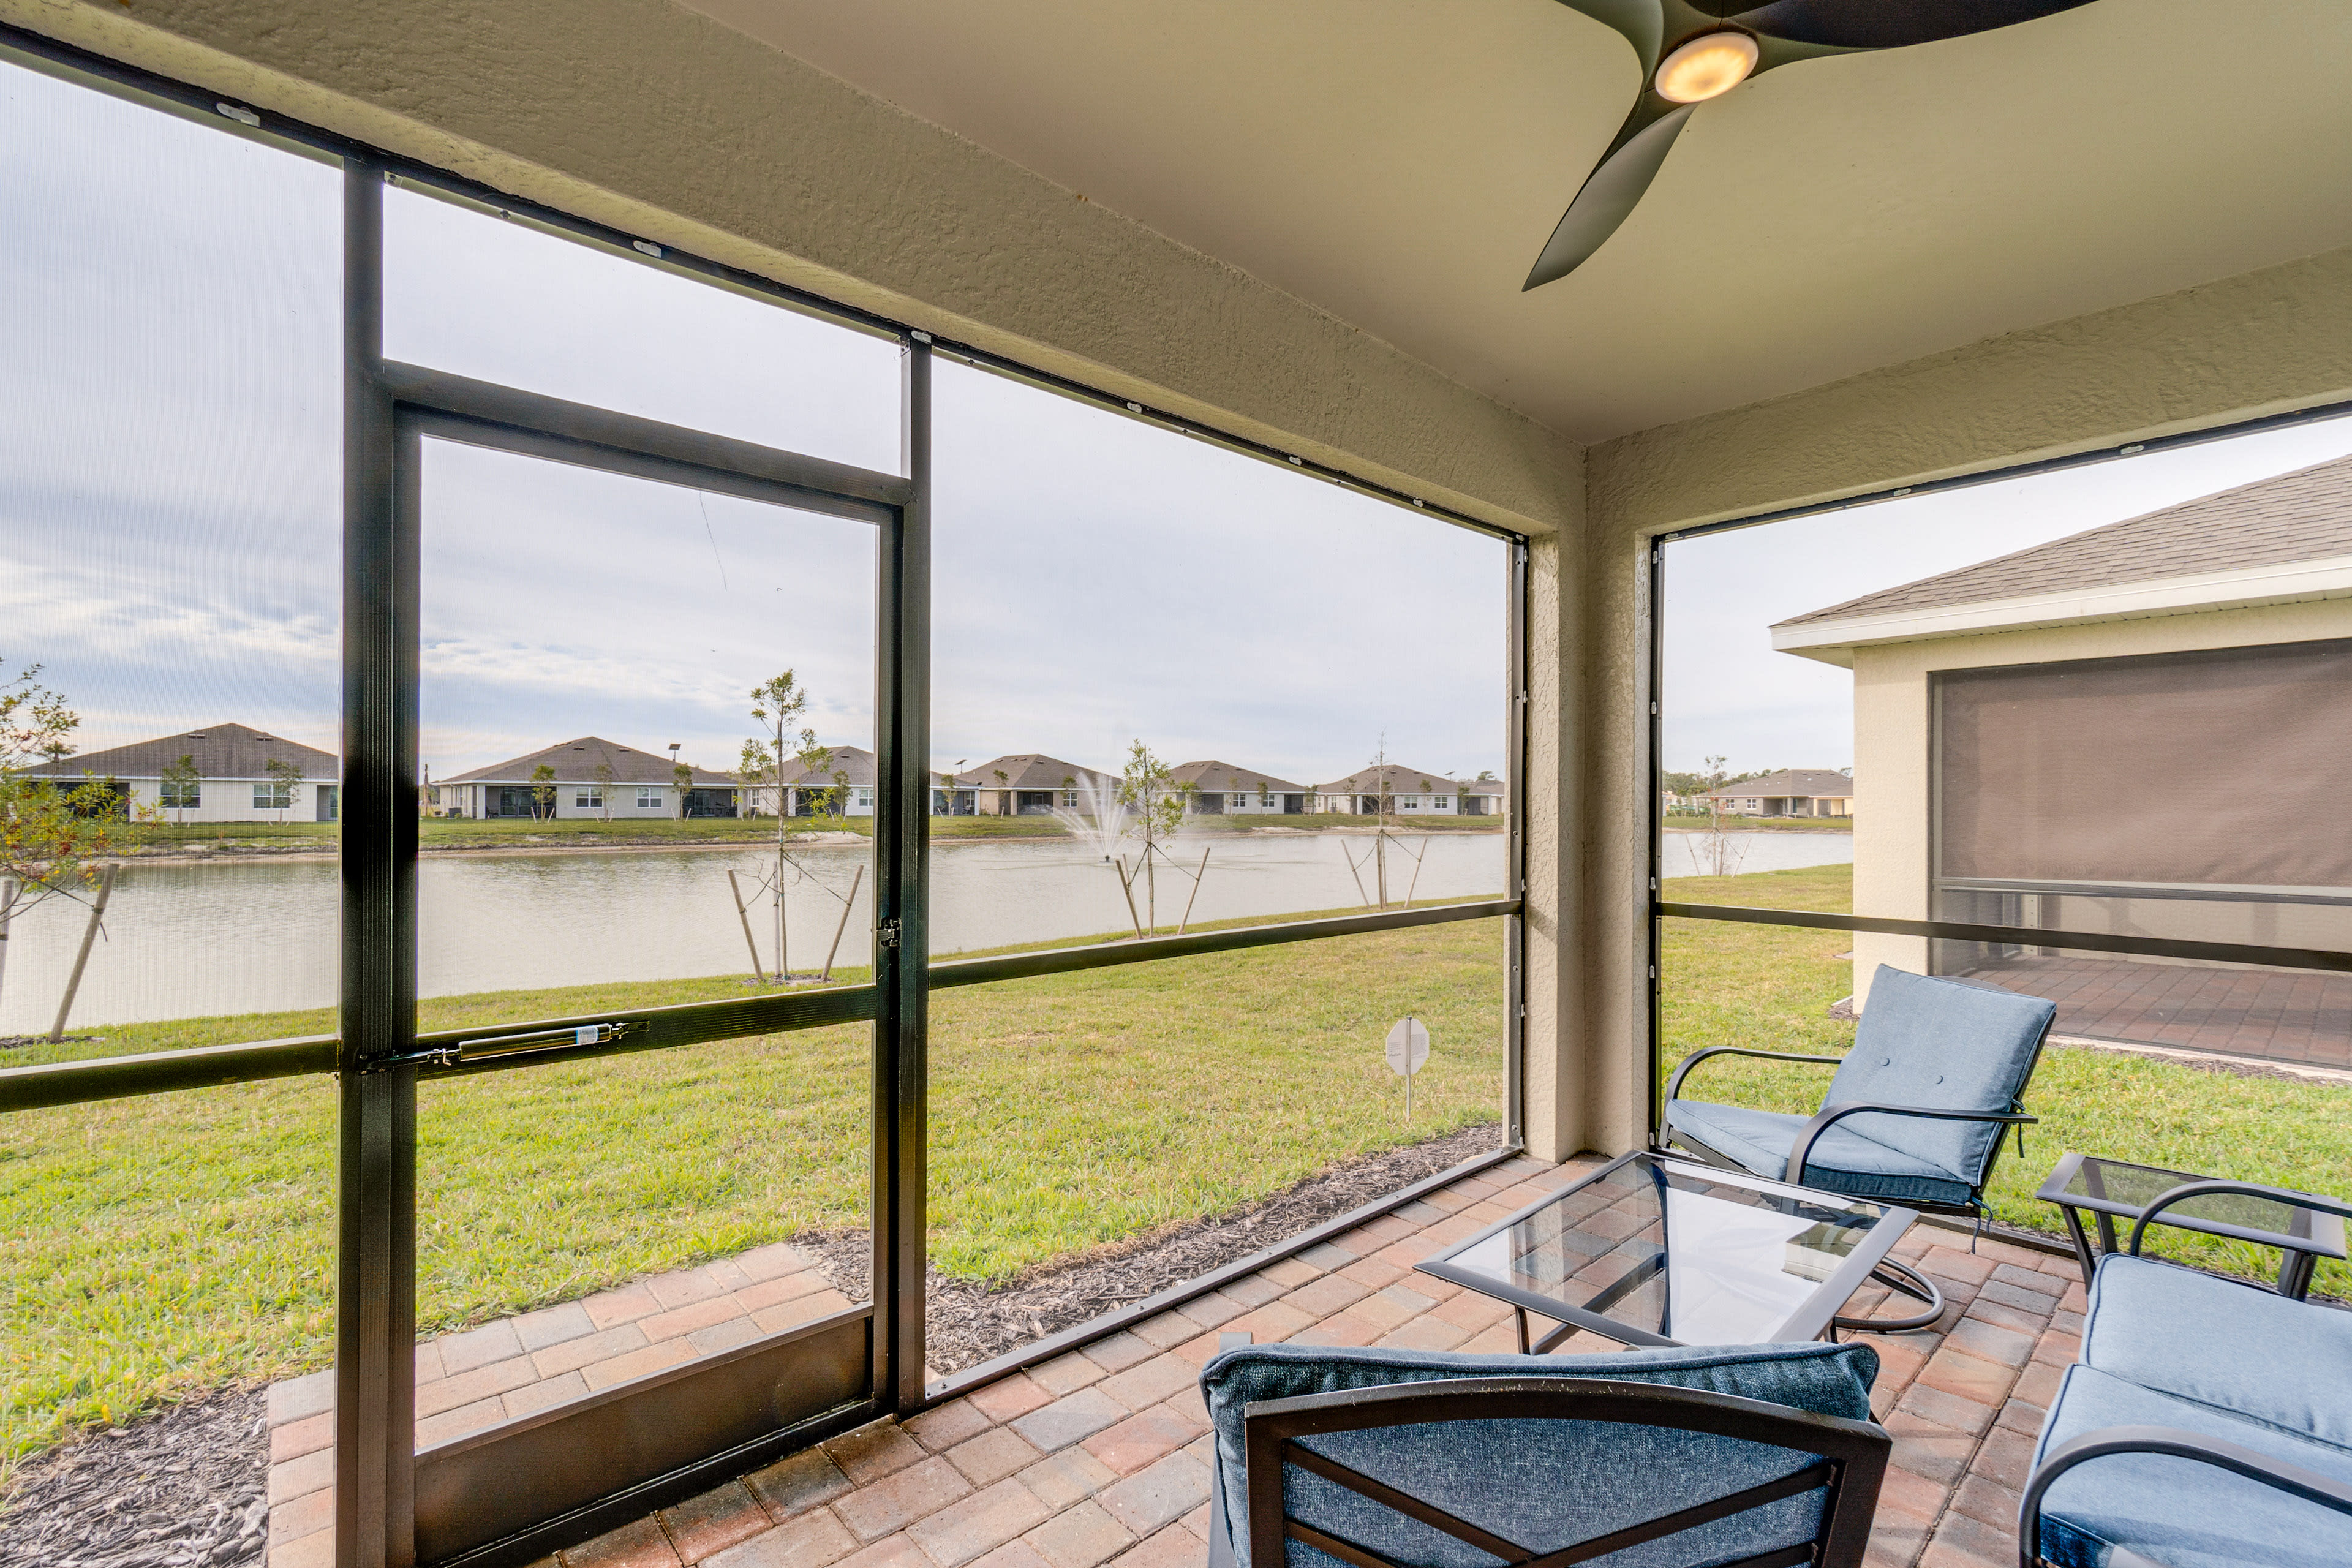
<point>1102,1456</point>
<point>2281,1015</point>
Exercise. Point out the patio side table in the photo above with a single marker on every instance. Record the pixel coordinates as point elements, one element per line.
<point>2112,1190</point>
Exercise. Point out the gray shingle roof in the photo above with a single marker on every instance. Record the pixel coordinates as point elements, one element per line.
<point>1225,778</point>
<point>220,752</point>
<point>855,763</point>
<point>1029,770</point>
<point>1402,781</point>
<point>2303,516</point>
<point>1789,782</point>
<point>574,763</point>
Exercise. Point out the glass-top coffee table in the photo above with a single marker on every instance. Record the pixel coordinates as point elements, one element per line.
<point>1649,1250</point>
<point>2112,1190</point>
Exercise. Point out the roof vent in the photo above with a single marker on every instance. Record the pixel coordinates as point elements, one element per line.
<point>196,735</point>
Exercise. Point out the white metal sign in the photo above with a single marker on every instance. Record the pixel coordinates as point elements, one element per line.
<point>1408,1048</point>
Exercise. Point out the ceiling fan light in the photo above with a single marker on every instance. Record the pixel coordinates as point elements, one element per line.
<point>1707,67</point>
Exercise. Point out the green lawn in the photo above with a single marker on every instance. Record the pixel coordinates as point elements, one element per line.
<point>1772,987</point>
<point>169,1244</point>
<point>165,1244</point>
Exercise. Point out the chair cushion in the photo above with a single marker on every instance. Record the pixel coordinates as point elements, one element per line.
<point>2178,1512</point>
<point>1545,1484</point>
<point>1841,1161</point>
<point>1945,1044</point>
<point>2235,1347</point>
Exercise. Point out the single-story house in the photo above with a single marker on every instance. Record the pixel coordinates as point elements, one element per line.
<point>1406,792</point>
<point>2138,729</point>
<point>591,777</point>
<point>841,785</point>
<point>221,773</point>
<point>1791,791</point>
<point>1221,789</point>
<point>1024,784</point>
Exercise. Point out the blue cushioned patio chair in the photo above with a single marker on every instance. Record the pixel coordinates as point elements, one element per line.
<point>1746,1457</point>
<point>2207,1423</point>
<point>1913,1117</point>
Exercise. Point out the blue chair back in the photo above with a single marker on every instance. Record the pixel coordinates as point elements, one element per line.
<point>1942,1044</point>
<point>1426,1459</point>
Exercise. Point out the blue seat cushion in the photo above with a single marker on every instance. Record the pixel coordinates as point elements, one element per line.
<point>2235,1347</point>
<point>2178,1512</point>
<point>1842,1160</point>
<point>1543,1484</point>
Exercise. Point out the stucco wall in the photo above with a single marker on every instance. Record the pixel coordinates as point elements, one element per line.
<point>1892,758</point>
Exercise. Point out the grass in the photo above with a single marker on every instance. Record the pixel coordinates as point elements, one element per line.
<point>1772,987</point>
<point>165,1244</point>
<point>1699,822</point>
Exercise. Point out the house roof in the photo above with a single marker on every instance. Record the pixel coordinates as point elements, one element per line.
<point>1788,781</point>
<point>2287,537</point>
<point>1400,781</point>
<point>574,763</point>
<point>219,751</point>
<point>1226,778</point>
<point>1029,770</point>
<point>856,763</point>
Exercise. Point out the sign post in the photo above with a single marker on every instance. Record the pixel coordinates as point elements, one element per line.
<point>1408,1048</point>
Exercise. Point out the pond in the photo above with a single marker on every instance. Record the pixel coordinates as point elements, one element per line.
<point>190,938</point>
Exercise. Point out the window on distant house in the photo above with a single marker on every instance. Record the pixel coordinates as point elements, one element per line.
<point>589,800</point>
<point>182,796</point>
<point>272,796</point>
<point>865,798</point>
<point>1070,797</point>
<point>1241,798</point>
<point>649,798</point>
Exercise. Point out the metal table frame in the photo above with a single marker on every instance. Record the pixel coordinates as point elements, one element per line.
<point>2318,1230</point>
<point>1818,1316</point>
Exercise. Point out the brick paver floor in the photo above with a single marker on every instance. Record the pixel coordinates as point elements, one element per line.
<point>2289,1016</point>
<point>1102,1456</point>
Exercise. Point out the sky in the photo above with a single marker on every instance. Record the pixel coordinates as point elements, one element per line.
<point>170,502</point>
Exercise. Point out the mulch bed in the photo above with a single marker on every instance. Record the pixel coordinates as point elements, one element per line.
<point>185,1488</point>
<point>968,1322</point>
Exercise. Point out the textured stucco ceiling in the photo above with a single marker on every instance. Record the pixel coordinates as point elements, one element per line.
<point>1399,163</point>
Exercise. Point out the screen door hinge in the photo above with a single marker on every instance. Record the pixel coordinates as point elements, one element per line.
<point>888,934</point>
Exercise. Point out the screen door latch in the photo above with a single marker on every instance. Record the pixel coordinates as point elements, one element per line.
<point>887,933</point>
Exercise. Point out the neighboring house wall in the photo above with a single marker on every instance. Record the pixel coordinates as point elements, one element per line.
<point>1893,757</point>
<point>235,800</point>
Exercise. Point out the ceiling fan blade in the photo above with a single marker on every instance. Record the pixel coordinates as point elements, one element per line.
<point>1885,24</point>
<point>1641,22</point>
<point>1611,190</point>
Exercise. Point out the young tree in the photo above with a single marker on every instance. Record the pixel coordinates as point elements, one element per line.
<point>682,777</point>
<point>542,793</point>
<point>1719,852</point>
<point>181,785</point>
<point>815,760</point>
<point>604,776</point>
<point>50,830</point>
<point>1149,790</point>
<point>776,703</point>
<point>285,778</point>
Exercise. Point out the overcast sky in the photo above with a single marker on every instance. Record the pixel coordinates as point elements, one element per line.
<point>169,504</point>
<point>168,499</point>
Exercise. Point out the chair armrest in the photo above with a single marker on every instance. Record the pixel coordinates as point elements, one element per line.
<point>2293,1479</point>
<point>1674,1084</point>
<point>1832,1114</point>
<point>2188,1190</point>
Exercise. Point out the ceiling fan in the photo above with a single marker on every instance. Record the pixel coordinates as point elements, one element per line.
<point>1694,50</point>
